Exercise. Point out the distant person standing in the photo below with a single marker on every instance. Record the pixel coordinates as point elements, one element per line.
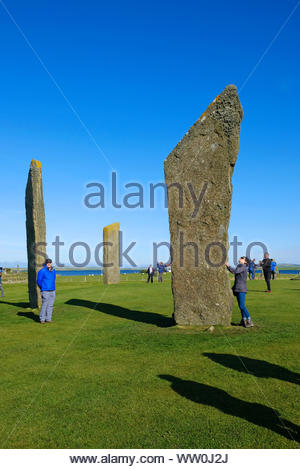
<point>46,282</point>
<point>150,272</point>
<point>266,267</point>
<point>240,289</point>
<point>273,268</point>
<point>1,288</point>
<point>252,267</point>
<point>160,268</point>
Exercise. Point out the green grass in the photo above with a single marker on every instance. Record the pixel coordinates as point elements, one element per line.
<point>110,373</point>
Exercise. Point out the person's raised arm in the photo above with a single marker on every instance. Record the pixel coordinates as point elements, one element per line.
<point>240,268</point>
<point>231,269</point>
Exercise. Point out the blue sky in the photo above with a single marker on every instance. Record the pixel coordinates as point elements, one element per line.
<point>139,74</point>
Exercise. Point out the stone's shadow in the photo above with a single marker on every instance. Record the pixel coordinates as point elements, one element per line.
<point>253,412</point>
<point>115,310</point>
<point>20,304</point>
<point>29,315</point>
<point>258,368</point>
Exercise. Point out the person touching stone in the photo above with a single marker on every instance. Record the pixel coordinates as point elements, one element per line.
<point>240,289</point>
<point>46,282</point>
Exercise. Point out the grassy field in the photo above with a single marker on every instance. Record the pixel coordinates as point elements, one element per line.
<point>112,372</point>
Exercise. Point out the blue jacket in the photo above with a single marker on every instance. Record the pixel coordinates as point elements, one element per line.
<point>160,268</point>
<point>46,279</point>
<point>273,265</point>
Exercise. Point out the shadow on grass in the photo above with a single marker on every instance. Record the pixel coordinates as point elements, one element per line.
<point>258,414</point>
<point>259,368</point>
<point>21,304</point>
<point>114,310</point>
<point>237,324</point>
<point>29,315</point>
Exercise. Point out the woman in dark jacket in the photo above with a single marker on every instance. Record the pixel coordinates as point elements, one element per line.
<point>240,289</point>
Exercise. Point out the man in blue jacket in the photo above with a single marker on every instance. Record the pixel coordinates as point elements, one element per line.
<point>46,282</point>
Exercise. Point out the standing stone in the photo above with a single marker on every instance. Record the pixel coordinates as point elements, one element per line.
<point>35,229</point>
<point>200,168</point>
<point>111,253</point>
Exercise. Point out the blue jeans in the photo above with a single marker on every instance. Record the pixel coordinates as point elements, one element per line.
<point>241,299</point>
<point>251,274</point>
<point>48,298</point>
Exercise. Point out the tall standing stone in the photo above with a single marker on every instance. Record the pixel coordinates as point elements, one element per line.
<point>111,253</point>
<point>200,168</point>
<point>35,229</point>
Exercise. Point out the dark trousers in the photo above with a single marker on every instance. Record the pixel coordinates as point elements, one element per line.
<point>267,275</point>
<point>273,274</point>
<point>150,276</point>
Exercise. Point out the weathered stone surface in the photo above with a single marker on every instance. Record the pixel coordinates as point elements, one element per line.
<point>111,254</point>
<point>35,229</point>
<point>202,164</point>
